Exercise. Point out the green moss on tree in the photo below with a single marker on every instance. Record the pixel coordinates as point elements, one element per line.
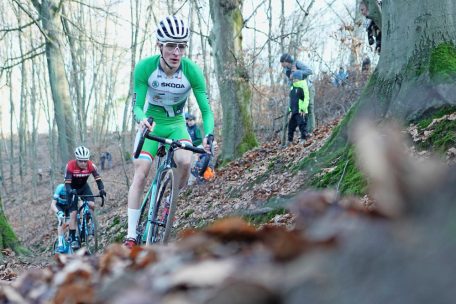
<point>248,142</point>
<point>8,238</point>
<point>439,62</point>
<point>442,65</point>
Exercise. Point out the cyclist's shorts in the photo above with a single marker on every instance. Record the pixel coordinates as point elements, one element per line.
<point>150,147</point>
<point>85,190</point>
<point>67,209</point>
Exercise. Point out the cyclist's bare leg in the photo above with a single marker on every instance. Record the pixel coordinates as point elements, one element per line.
<point>73,220</point>
<point>91,205</point>
<point>60,230</point>
<point>183,159</point>
<point>142,168</point>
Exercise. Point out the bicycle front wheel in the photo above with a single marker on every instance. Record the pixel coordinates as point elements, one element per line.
<point>90,231</point>
<point>143,224</point>
<point>164,206</point>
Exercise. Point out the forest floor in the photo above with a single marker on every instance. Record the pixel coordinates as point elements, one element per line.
<point>260,188</point>
<point>242,187</point>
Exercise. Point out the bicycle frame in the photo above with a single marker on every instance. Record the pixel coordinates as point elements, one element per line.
<point>83,214</point>
<point>164,163</point>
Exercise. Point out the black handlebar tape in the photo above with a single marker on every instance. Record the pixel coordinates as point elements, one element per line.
<point>139,146</point>
<point>142,139</point>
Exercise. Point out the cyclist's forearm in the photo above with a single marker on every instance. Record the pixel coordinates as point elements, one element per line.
<point>100,184</point>
<point>53,206</point>
<point>138,113</point>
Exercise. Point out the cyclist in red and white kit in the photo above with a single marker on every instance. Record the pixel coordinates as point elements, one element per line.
<point>77,172</point>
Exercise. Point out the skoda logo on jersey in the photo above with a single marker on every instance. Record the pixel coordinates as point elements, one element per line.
<point>172,85</point>
<point>155,84</point>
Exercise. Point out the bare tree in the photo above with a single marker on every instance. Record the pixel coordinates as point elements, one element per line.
<point>232,78</point>
<point>11,139</point>
<point>49,12</point>
<point>357,38</point>
<point>136,49</point>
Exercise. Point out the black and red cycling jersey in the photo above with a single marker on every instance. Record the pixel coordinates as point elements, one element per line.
<point>76,177</point>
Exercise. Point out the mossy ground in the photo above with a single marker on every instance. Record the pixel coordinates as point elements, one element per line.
<point>264,218</point>
<point>345,176</point>
<point>443,133</point>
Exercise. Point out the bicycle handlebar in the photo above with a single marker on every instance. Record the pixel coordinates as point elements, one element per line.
<point>142,138</point>
<point>92,196</point>
<point>183,145</point>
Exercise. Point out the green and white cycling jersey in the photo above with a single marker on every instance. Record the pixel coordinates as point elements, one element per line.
<point>163,97</point>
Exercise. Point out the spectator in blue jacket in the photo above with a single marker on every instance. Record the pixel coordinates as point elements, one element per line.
<point>341,77</point>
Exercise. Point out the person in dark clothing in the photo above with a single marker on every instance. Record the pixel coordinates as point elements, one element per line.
<point>102,160</point>
<point>289,65</point>
<point>299,104</point>
<point>374,34</point>
<point>109,159</point>
<point>365,68</point>
<point>105,157</point>
<point>193,129</point>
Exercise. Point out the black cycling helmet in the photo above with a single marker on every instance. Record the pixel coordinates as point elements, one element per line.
<point>286,58</point>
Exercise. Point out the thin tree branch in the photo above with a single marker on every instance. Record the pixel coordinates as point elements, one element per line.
<point>23,59</point>
<point>38,6</point>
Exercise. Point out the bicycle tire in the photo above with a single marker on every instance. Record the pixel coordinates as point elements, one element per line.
<point>159,229</point>
<point>90,232</point>
<point>142,222</point>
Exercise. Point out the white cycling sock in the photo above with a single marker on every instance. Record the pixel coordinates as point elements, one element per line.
<point>61,240</point>
<point>133,218</point>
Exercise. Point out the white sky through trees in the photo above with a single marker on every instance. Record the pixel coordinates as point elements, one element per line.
<point>321,48</point>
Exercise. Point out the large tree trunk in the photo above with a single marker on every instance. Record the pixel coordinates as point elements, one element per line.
<point>232,78</point>
<point>415,74</point>
<point>49,11</point>
<point>417,67</point>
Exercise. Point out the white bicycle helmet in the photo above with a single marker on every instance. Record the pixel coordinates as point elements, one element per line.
<point>172,29</point>
<point>82,153</point>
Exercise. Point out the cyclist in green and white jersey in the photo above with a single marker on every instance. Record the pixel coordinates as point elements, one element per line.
<point>162,85</point>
